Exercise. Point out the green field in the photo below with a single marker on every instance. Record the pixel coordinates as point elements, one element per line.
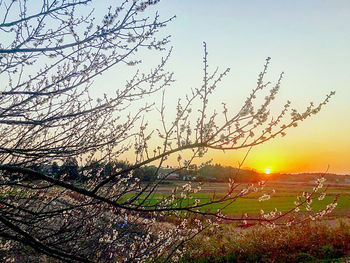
<point>283,199</point>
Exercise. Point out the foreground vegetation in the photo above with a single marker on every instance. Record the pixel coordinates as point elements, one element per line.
<point>325,241</point>
<point>316,241</point>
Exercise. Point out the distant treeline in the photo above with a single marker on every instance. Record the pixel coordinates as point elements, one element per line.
<point>221,173</point>
<point>71,171</point>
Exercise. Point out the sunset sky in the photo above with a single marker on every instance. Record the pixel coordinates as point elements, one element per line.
<point>308,40</point>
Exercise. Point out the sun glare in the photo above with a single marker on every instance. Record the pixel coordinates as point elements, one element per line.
<point>267,170</point>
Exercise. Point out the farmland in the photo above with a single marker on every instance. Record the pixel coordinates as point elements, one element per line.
<point>326,240</point>
<point>283,198</point>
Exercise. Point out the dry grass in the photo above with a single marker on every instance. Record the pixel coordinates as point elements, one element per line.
<point>312,241</point>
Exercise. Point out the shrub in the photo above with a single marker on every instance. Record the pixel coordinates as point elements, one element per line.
<point>304,257</point>
<point>329,252</point>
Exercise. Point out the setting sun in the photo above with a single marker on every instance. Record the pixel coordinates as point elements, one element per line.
<point>267,170</point>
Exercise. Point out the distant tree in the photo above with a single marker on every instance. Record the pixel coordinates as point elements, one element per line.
<point>70,169</point>
<point>147,174</point>
<point>55,170</point>
<point>50,52</point>
<point>113,167</point>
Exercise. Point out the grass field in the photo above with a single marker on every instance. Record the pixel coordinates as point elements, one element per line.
<point>283,198</point>
<point>316,241</point>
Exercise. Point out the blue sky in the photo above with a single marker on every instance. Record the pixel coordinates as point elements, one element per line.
<point>308,40</point>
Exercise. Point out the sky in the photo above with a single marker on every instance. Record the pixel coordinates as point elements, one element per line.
<point>308,40</point>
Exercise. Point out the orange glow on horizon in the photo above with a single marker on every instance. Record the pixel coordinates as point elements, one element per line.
<point>298,152</point>
<point>267,170</point>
